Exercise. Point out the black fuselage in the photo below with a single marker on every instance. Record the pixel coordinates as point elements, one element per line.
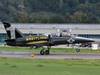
<point>44,41</point>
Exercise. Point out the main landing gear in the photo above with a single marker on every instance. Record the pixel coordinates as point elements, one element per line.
<point>45,51</point>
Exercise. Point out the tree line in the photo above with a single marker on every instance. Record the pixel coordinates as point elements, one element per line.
<point>50,11</point>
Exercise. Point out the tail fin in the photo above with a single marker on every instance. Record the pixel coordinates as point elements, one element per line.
<point>12,33</point>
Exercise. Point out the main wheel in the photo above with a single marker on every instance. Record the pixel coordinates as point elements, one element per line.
<point>42,52</point>
<point>47,52</point>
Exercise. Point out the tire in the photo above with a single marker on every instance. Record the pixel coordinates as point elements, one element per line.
<point>42,52</point>
<point>47,52</point>
<point>77,50</point>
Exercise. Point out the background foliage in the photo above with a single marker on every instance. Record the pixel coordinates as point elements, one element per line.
<point>50,11</point>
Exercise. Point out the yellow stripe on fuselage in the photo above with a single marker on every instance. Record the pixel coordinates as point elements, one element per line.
<point>34,38</point>
<point>37,42</point>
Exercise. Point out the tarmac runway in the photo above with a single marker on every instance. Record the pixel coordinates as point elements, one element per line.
<point>29,55</point>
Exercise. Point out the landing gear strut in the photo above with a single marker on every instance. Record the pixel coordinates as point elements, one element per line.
<point>45,51</point>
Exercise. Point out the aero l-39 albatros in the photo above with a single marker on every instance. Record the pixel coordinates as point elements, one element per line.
<point>16,38</point>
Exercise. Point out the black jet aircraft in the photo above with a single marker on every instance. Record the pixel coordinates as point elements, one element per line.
<point>16,38</point>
